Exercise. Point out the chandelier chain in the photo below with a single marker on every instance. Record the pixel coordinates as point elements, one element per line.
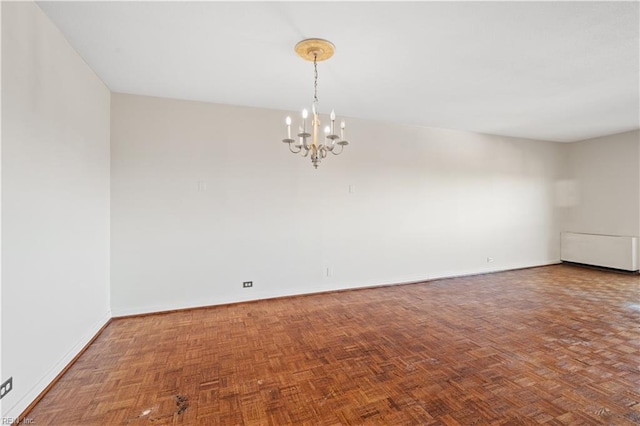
<point>315,79</point>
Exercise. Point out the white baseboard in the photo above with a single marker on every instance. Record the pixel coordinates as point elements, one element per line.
<point>353,285</point>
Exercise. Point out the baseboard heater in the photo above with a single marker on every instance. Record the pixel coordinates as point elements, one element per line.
<point>609,251</point>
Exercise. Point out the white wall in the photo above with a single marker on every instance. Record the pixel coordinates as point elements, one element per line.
<point>55,200</point>
<point>427,203</point>
<point>605,178</point>
<point>606,175</point>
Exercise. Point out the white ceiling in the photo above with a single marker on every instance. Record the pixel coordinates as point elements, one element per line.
<point>559,71</point>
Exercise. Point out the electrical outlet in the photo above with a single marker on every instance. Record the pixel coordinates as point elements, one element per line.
<point>6,387</point>
<point>247,284</point>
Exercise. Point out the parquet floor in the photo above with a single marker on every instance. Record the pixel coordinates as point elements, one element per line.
<point>556,345</point>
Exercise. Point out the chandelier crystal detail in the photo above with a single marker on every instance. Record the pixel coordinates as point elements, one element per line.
<point>316,50</point>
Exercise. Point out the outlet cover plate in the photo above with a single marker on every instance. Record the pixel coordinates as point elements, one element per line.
<point>6,387</point>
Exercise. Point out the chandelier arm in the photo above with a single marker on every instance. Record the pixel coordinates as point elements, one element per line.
<point>339,152</point>
<point>295,152</point>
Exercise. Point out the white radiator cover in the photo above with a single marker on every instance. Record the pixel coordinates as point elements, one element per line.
<point>611,251</point>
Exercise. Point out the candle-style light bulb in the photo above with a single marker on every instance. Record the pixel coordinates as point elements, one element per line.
<point>305,114</point>
<point>333,119</point>
<point>342,126</point>
<point>321,141</point>
<point>288,121</point>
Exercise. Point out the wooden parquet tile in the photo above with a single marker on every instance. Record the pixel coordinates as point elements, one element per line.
<point>556,345</point>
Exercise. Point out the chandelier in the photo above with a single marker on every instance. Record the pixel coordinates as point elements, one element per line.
<point>315,49</point>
